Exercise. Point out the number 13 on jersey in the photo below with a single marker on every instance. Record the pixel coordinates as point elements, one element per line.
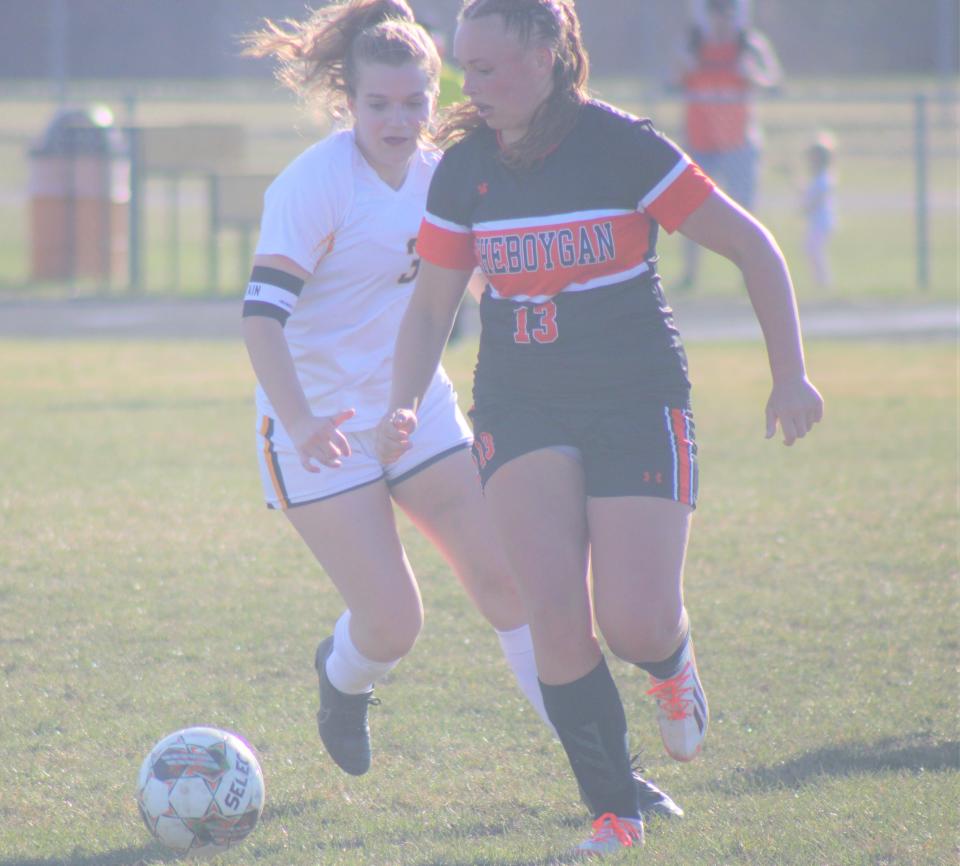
<point>537,324</point>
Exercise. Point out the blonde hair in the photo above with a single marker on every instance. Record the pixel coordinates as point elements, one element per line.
<point>552,23</point>
<point>318,57</point>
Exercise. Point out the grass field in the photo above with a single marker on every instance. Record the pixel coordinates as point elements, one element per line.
<point>143,588</point>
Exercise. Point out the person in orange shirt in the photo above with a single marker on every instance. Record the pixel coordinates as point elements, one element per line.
<point>725,61</point>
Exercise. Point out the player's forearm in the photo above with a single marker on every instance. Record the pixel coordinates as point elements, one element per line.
<point>477,284</point>
<point>419,346</point>
<point>424,332</point>
<point>274,368</point>
<point>770,288</point>
<point>721,225</point>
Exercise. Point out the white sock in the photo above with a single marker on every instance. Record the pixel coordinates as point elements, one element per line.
<point>348,669</point>
<point>517,645</point>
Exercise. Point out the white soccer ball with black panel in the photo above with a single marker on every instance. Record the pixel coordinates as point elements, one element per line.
<point>200,791</point>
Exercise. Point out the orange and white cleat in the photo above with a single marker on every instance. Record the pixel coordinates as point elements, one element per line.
<point>681,710</point>
<point>610,835</point>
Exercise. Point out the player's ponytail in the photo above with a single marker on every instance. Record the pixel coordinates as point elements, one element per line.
<point>317,57</point>
<point>553,23</point>
<point>572,68</point>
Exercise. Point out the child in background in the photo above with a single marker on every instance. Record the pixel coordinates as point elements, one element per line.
<point>819,206</point>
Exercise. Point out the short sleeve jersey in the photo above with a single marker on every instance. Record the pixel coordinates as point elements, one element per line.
<point>335,217</point>
<point>573,305</point>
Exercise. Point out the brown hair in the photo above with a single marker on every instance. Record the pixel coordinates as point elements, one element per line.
<point>553,23</point>
<point>318,57</point>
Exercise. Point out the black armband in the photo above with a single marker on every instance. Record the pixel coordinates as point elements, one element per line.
<point>272,293</point>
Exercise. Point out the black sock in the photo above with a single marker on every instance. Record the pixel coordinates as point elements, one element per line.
<point>670,666</point>
<point>588,716</point>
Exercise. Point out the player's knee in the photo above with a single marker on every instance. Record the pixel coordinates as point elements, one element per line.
<point>396,628</point>
<point>650,636</point>
<point>404,633</point>
<point>398,642</point>
<point>558,624</point>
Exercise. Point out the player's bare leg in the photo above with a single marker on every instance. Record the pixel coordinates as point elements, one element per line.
<point>445,502</point>
<point>537,501</point>
<point>638,550</point>
<point>354,537</point>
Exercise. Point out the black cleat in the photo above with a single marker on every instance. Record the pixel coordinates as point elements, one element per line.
<point>653,801</point>
<point>342,719</point>
<point>650,799</point>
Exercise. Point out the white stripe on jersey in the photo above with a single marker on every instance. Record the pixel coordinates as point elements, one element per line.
<point>668,179</point>
<point>434,220</point>
<point>599,282</point>
<point>672,439</point>
<point>270,294</point>
<point>551,220</point>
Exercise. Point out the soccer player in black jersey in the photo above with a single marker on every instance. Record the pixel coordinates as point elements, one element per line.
<point>583,432</point>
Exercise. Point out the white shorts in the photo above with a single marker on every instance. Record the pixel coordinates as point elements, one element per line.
<point>441,430</point>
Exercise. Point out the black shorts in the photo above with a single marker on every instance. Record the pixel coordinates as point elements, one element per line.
<point>638,449</point>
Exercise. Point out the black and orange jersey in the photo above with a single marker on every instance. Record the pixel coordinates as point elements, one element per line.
<point>719,111</point>
<point>573,304</point>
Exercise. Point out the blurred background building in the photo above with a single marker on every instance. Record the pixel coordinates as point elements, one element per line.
<point>196,38</point>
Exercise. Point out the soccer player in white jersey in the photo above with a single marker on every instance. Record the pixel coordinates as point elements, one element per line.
<point>334,269</point>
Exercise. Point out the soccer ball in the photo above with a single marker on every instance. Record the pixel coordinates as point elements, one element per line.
<point>200,791</point>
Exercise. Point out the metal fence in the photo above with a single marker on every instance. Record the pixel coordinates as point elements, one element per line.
<point>190,222</point>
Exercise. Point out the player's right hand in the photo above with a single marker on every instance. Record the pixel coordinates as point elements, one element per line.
<point>797,406</point>
<point>393,434</point>
<point>319,441</point>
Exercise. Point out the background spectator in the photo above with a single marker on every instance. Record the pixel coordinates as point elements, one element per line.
<point>723,63</point>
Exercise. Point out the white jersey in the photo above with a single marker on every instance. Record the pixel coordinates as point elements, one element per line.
<point>332,214</point>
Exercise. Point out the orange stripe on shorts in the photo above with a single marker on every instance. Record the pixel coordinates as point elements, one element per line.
<point>273,464</point>
<point>682,444</point>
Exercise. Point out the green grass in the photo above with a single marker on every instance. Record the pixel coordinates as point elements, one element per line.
<point>143,587</point>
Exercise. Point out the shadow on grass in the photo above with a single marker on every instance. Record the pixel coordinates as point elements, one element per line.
<point>569,859</point>
<point>915,753</point>
<point>476,830</point>
<point>140,856</point>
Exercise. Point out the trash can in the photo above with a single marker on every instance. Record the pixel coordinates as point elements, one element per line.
<point>80,197</point>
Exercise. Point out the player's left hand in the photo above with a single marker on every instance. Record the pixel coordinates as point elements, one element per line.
<point>393,434</point>
<point>797,406</point>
